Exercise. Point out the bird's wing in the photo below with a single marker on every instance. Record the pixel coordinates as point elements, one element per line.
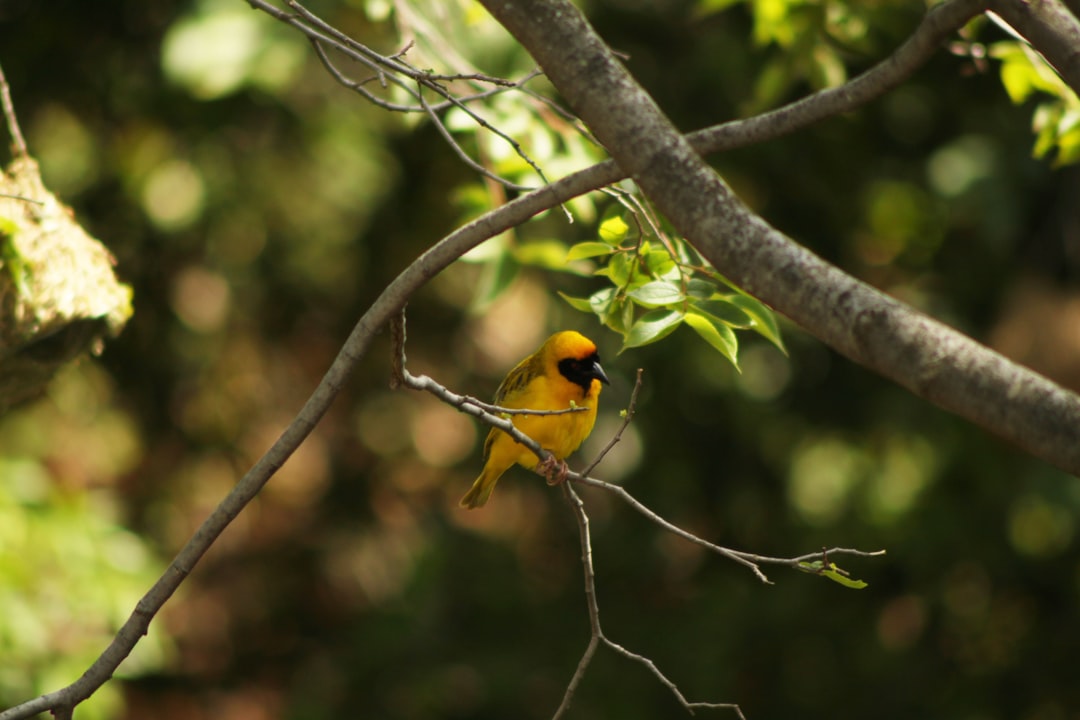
<point>518,379</point>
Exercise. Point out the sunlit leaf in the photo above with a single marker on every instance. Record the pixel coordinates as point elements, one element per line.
<point>588,249</point>
<point>580,304</point>
<point>657,294</point>
<point>717,334</point>
<point>652,326</point>
<point>600,301</point>
<point>662,265</point>
<point>618,269</point>
<point>833,572</point>
<point>613,229</point>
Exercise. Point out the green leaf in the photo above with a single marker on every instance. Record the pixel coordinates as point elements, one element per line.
<point>726,311</point>
<point>613,230</point>
<point>600,301</point>
<point>700,289</point>
<point>618,269</point>
<point>652,326</point>
<point>588,249</point>
<point>620,315</point>
<point>764,319</point>
<point>661,265</point>
<point>11,258</point>
<point>657,294</point>
<point>580,304</point>
<point>717,334</point>
<point>833,572</point>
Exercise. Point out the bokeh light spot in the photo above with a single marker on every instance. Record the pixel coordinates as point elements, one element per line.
<point>442,436</point>
<point>1038,527</point>
<point>822,477</point>
<point>200,299</point>
<point>765,372</point>
<point>901,622</point>
<point>174,195</point>
<point>953,169</point>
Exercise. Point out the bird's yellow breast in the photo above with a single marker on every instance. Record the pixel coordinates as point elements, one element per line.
<point>559,434</point>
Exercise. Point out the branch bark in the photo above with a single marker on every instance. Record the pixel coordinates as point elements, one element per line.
<point>925,356</point>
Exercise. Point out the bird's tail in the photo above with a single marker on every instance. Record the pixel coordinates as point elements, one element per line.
<point>481,489</point>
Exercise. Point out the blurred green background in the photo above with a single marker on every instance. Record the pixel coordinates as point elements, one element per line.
<point>257,208</point>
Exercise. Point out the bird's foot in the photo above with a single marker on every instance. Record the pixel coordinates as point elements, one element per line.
<point>554,470</point>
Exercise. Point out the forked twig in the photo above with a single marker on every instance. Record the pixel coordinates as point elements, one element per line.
<point>597,636</point>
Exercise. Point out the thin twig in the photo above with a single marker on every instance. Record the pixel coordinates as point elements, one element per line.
<point>464,156</point>
<point>597,636</point>
<point>18,142</point>
<point>628,415</point>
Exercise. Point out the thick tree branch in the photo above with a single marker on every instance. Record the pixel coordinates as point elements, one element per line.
<point>871,328</point>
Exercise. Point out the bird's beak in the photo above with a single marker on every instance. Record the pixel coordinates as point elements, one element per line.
<point>598,372</point>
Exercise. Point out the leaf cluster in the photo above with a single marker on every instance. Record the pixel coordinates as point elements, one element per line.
<point>658,282</point>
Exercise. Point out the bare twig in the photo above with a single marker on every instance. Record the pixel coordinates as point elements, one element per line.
<point>628,416</point>
<point>596,634</point>
<point>396,70</point>
<point>18,142</point>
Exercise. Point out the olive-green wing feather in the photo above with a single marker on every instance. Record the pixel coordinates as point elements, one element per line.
<point>518,378</point>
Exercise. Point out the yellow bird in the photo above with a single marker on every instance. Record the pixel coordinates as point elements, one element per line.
<point>565,372</point>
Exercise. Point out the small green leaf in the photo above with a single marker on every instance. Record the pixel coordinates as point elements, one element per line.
<point>588,249</point>
<point>613,230</point>
<point>657,294</point>
<point>618,269</point>
<point>652,326</point>
<point>600,301</point>
<point>764,319</point>
<point>844,580</point>
<point>616,317</point>
<point>580,304</point>
<point>717,334</point>
<point>661,265</point>
<point>723,309</point>
<point>11,258</point>
<point>833,572</point>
